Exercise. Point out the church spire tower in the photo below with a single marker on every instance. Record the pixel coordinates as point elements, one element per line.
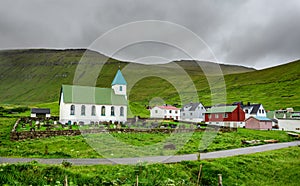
<point>119,84</point>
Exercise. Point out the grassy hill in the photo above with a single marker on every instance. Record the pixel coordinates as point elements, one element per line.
<point>35,76</point>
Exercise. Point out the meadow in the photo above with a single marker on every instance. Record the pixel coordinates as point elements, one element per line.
<point>271,168</point>
<point>127,144</point>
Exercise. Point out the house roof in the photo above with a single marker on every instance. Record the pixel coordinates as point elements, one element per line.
<point>192,106</point>
<point>40,111</point>
<point>168,107</point>
<point>222,109</point>
<point>260,118</point>
<point>253,107</point>
<point>91,95</point>
<point>119,79</point>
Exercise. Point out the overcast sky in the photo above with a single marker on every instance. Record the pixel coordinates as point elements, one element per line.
<point>255,33</point>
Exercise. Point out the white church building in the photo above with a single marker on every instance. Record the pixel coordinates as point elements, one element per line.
<point>83,104</point>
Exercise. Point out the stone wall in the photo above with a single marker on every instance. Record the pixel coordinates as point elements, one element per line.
<point>14,136</point>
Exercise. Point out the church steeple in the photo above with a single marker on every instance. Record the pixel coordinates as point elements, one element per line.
<point>119,79</point>
<point>119,84</point>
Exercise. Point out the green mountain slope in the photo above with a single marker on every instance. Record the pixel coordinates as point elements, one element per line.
<point>35,76</point>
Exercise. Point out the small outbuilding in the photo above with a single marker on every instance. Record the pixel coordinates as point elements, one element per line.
<point>40,113</point>
<point>258,123</point>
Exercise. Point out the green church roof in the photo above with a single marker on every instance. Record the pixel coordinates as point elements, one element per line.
<point>222,109</point>
<point>91,95</point>
<point>119,79</point>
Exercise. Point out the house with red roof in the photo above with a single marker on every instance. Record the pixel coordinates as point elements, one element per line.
<point>165,112</point>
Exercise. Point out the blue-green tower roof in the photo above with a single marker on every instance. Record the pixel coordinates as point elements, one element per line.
<point>119,79</point>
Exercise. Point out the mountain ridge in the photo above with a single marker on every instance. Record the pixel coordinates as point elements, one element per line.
<point>36,75</point>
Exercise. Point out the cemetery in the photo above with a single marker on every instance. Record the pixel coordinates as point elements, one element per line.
<point>31,128</point>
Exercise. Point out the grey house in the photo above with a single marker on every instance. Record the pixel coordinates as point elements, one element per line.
<point>193,112</point>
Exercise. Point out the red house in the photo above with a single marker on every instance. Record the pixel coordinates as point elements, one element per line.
<point>231,116</point>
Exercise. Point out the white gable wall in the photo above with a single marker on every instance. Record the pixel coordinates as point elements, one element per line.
<point>260,113</point>
<point>118,90</point>
<point>157,112</point>
<point>193,116</point>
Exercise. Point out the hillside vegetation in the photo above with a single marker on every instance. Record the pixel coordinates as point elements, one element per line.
<point>30,77</point>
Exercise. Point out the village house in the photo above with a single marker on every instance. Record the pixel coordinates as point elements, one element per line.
<point>85,105</point>
<point>40,113</point>
<point>165,112</point>
<point>230,116</point>
<point>192,112</point>
<point>252,109</point>
<point>289,124</point>
<point>258,123</point>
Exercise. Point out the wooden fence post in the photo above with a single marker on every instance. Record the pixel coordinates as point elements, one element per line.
<point>220,180</point>
<point>66,181</point>
<point>199,174</point>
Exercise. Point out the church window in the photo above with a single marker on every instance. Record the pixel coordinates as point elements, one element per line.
<point>93,110</point>
<point>122,111</point>
<point>112,111</point>
<point>83,110</point>
<point>72,110</point>
<point>103,111</point>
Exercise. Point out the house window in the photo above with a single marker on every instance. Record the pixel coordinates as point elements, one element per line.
<point>246,111</point>
<point>103,111</point>
<point>191,114</point>
<point>225,115</point>
<point>121,88</point>
<point>112,111</point>
<point>156,111</point>
<point>72,111</point>
<point>260,111</point>
<point>263,111</point>
<point>93,110</point>
<point>82,110</point>
<point>216,115</point>
<point>122,111</point>
<point>297,128</point>
<point>209,116</point>
<point>176,112</point>
<point>170,111</point>
<point>183,114</point>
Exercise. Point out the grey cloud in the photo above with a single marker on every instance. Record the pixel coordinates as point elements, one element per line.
<point>257,33</point>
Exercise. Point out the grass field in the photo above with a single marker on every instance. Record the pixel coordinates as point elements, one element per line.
<point>272,168</point>
<point>126,144</point>
<point>34,78</point>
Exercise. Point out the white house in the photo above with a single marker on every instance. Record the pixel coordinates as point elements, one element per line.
<point>289,124</point>
<point>83,104</point>
<point>192,112</point>
<point>169,112</point>
<point>255,110</point>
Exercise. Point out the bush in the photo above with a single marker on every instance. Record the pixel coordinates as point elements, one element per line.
<point>66,164</point>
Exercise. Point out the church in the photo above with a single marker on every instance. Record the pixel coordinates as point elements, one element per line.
<point>86,105</point>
